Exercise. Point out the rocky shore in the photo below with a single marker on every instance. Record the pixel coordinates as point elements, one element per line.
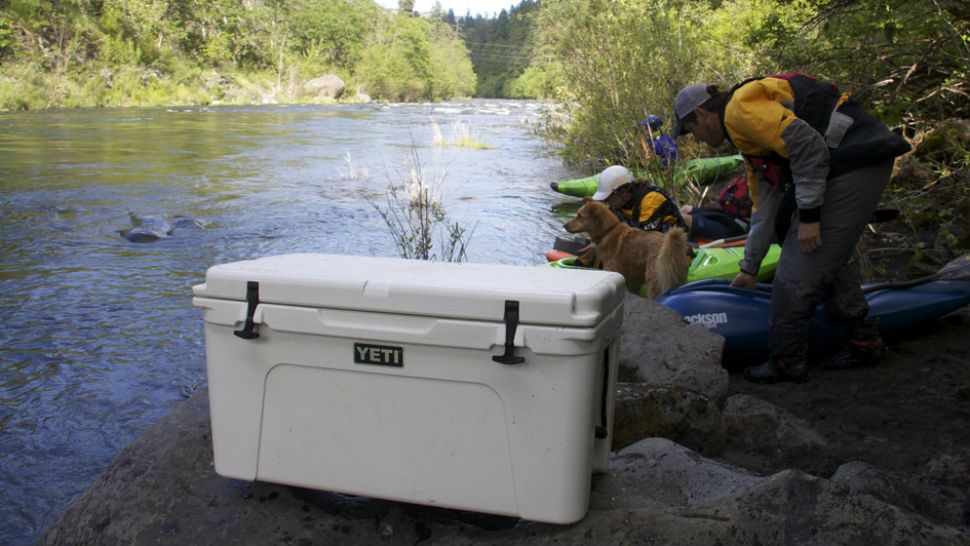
<point>876,456</point>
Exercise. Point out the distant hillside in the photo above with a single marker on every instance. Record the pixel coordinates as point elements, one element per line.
<point>500,48</point>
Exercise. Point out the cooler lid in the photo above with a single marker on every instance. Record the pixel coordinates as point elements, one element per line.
<point>546,295</point>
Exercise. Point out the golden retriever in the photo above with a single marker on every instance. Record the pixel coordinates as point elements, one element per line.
<point>657,259</point>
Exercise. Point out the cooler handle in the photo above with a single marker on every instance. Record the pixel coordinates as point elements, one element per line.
<point>511,323</point>
<point>252,298</point>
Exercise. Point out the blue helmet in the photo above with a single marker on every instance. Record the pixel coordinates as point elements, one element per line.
<point>653,122</point>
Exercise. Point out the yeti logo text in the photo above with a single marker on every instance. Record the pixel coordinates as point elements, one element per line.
<point>380,355</point>
<point>707,320</point>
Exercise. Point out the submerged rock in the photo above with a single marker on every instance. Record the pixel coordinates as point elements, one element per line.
<point>146,229</point>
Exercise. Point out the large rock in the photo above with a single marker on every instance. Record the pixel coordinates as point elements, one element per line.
<point>329,87</point>
<point>707,502</point>
<point>663,349</point>
<point>767,428</point>
<point>863,478</point>
<point>684,416</point>
<point>162,489</point>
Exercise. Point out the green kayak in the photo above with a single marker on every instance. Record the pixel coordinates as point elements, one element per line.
<point>709,263</point>
<point>703,170</point>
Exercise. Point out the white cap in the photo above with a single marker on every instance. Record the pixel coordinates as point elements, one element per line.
<point>687,100</point>
<point>611,178</point>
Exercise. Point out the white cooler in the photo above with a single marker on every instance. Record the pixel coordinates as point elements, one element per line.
<point>478,387</point>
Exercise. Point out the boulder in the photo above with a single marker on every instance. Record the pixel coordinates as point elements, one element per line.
<point>329,87</point>
<point>863,478</point>
<point>162,489</point>
<point>684,416</point>
<point>766,428</point>
<point>690,499</point>
<point>661,348</point>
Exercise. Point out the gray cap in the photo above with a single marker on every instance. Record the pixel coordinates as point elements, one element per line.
<point>687,100</point>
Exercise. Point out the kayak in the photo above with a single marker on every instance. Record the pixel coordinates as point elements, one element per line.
<point>709,263</point>
<point>741,316</point>
<point>702,170</point>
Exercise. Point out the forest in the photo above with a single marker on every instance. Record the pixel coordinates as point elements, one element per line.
<point>609,63</point>
<point>103,53</point>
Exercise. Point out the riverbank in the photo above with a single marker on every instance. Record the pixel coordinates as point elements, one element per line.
<point>872,456</point>
<point>102,339</point>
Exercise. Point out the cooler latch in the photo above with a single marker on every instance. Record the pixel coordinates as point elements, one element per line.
<point>252,298</point>
<point>511,323</point>
<point>602,431</point>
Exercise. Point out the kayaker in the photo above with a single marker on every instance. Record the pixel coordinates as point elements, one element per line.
<point>664,148</point>
<point>646,206</point>
<point>817,165</point>
<point>704,223</point>
<point>635,202</point>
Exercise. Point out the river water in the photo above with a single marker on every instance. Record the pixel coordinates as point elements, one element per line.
<point>98,337</point>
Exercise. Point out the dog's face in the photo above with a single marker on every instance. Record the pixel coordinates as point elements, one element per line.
<point>593,217</point>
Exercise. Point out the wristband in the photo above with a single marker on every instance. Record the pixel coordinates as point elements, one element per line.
<point>809,216</point>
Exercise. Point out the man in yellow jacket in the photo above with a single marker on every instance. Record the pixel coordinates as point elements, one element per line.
<point>817,166</point>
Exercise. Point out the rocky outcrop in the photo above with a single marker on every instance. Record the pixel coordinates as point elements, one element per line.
<point>662,349</point>
<point>329,87</point>
<point>675,379</point>
<point>765,427</point>
<point>162,489</point>
<point>684,416</point>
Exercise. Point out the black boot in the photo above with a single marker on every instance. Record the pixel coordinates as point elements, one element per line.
<point>854,356</point>
<point>777,371</point>
<point>865,348</point>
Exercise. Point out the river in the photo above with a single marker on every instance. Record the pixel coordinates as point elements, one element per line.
<point>98,337</point>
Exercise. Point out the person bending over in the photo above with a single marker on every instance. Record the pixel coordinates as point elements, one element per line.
<point>817,165</point>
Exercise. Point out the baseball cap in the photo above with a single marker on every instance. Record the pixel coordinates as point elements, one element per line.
<point>687,100</point>
<point>610,179</point>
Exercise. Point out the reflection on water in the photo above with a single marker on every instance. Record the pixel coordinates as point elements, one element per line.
<point>97,335</point>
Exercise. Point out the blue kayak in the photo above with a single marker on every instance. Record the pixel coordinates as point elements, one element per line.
<point>741,316</point>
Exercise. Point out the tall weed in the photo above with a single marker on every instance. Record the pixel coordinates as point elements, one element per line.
<point>416,217</point>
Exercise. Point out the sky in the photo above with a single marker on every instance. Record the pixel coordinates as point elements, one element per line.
<point>460,7</point>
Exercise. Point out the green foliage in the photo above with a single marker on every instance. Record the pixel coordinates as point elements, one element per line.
<point>329,31</point>
<point>616,61</point>
<point>500,48</point>
<point>149,52</point>
<point>540,80</point>
<point>412,59</point>
<point>907,58</point>
<point>620,61</point>
<point>451,68</point>
<point>8,43</point>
